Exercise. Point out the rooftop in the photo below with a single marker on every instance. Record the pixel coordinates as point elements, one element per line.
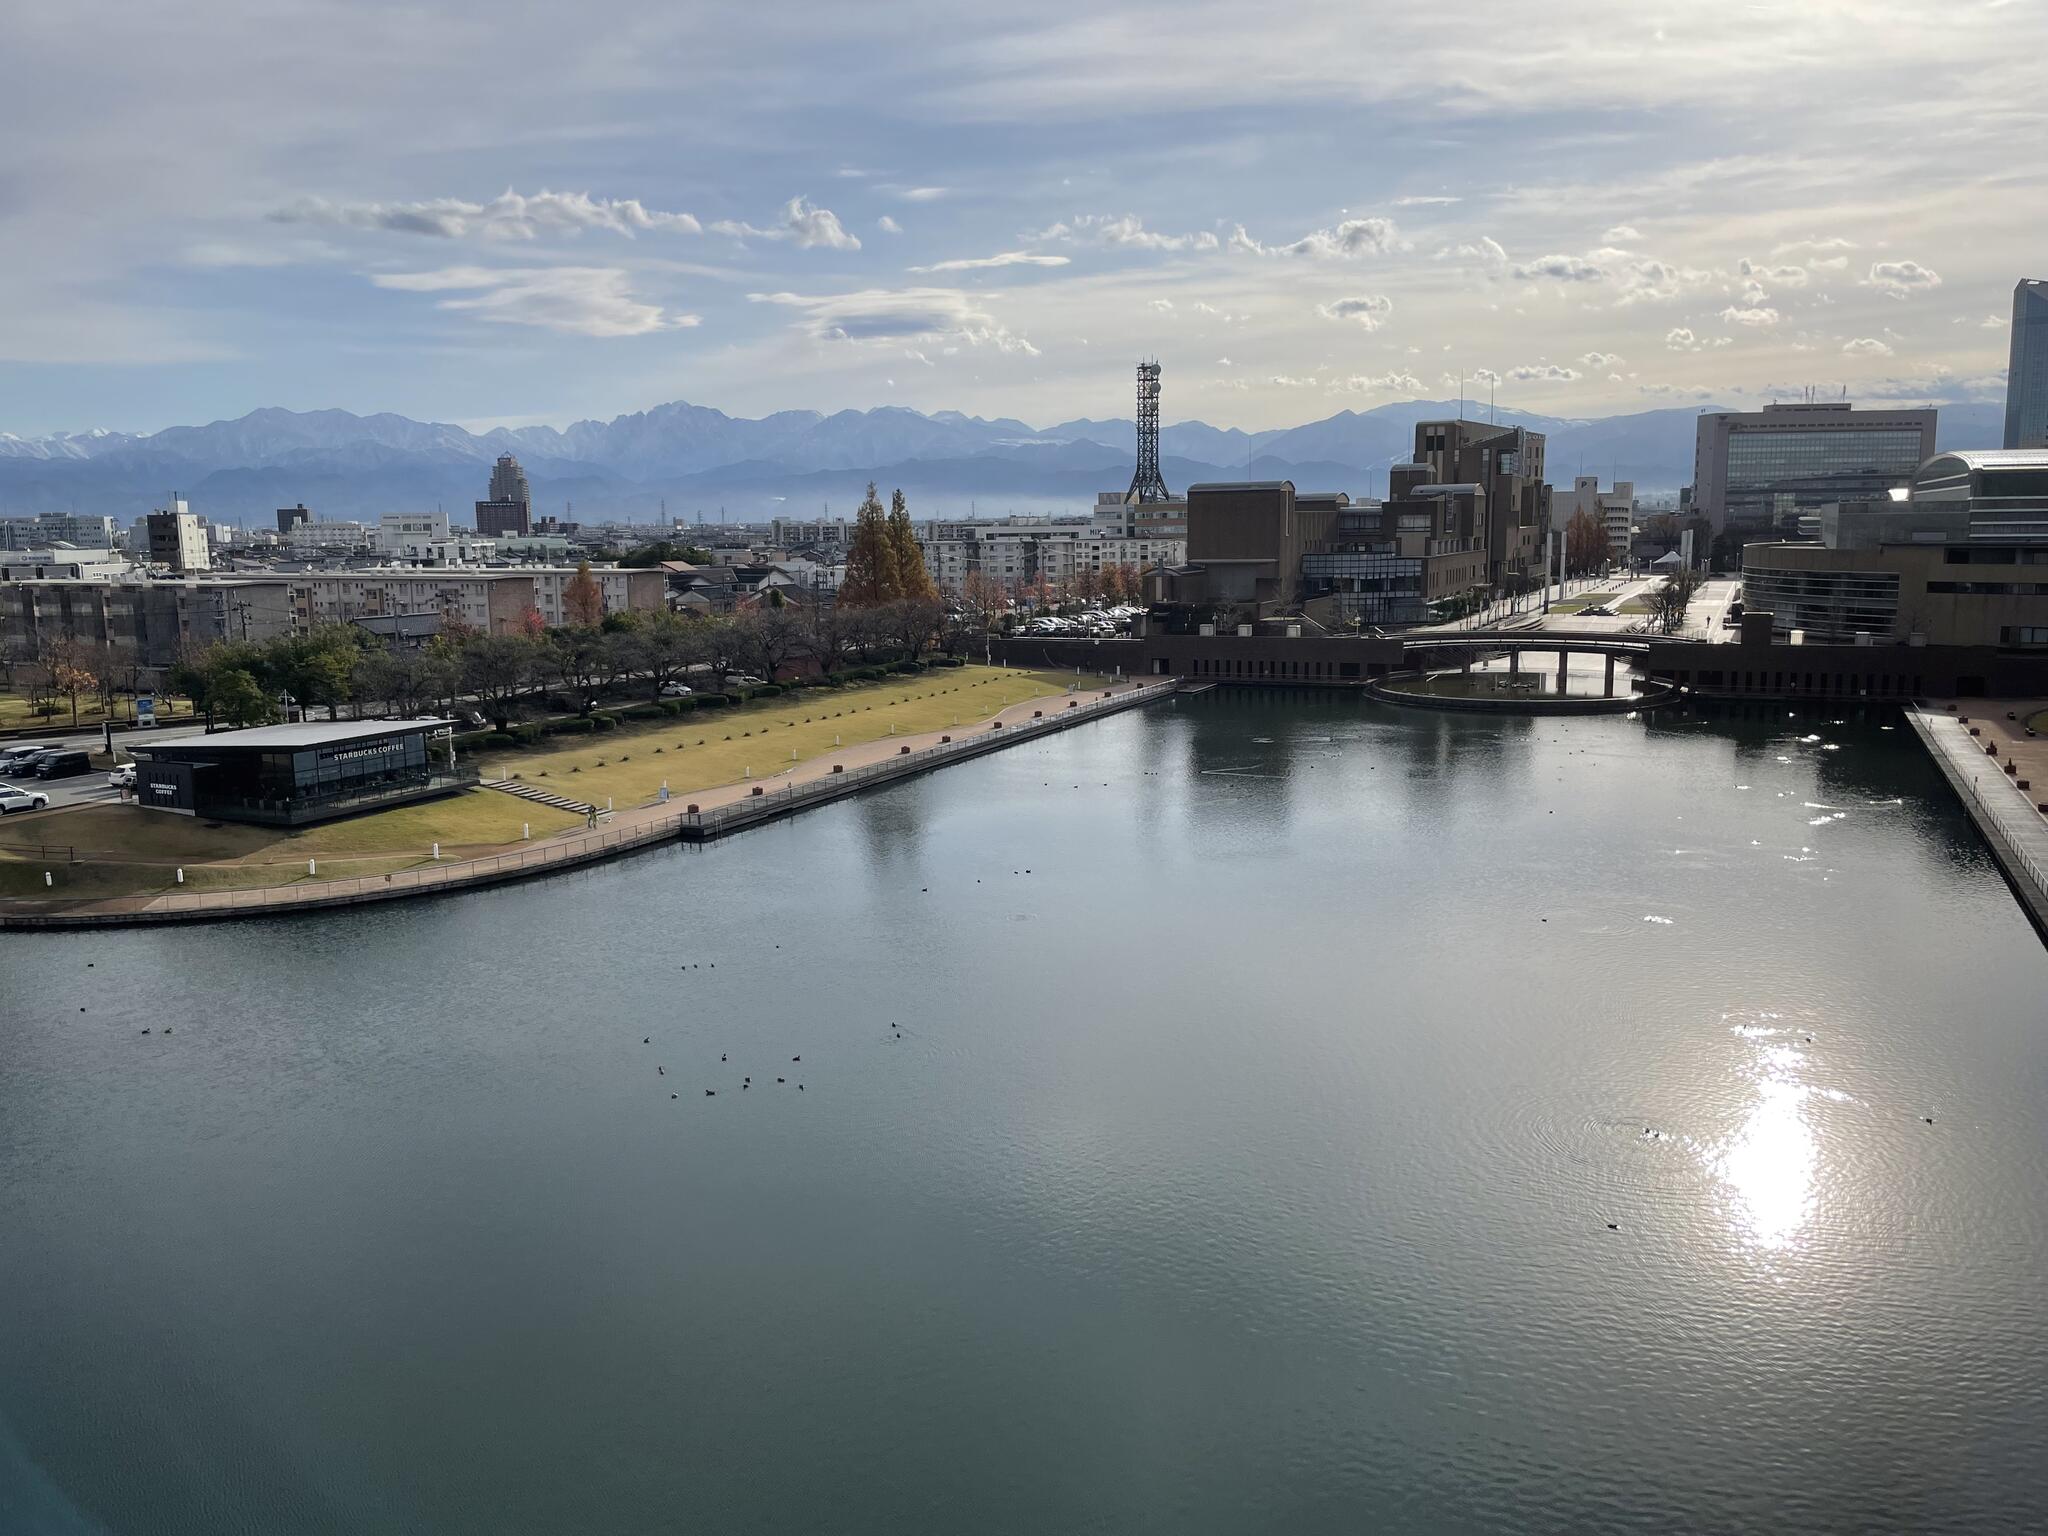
<point>307,733</point>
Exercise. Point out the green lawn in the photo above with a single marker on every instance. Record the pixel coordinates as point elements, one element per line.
<point>127,849</point>
<point>1574,604</point>
<point>2037,721</point>
<point>710,747</point>
<point>1634,606</point>
<point>16,714</point>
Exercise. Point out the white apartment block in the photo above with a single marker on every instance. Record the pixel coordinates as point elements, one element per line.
<point>1021,551</point>
<point>48,529</point>
<point>400,531</point>
<point>1616,510</point>
<point>493,600</point>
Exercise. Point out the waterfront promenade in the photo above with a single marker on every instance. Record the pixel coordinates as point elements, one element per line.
<point>1974,765</point>
<point>699,816</point>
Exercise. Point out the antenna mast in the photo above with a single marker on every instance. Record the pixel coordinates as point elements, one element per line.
<point>1146,484</point>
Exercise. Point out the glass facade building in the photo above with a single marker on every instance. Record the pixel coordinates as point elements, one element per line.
<point>1766,469</point>
<point>2026,378</point>
<point>288,775</point>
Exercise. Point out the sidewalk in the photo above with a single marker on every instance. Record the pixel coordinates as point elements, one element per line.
<point>2009,816</point>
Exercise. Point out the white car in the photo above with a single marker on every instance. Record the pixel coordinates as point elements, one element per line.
<point>122,777</point>
<point>675,690</point>
<point>14,798</point>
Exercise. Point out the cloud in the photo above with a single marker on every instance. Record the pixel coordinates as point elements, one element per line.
<point>802,224</point>
<point>1902,277</point>
<point>1600,360</point>
<point>1811,243</point>
<point>1561,269</point>
<point>576,301</point>
<point>1755,318</point>
<point>921,194</point>
<point>1368,309</point>
<point>1676,391</point>
<point>888,226</point>
<point>1867,346</point>
<point>508,216</point>
<point>1542,373</point>
<point>1621,234</point>
<point>1128,231</point>
<point>1426,202</point>
<point>1001,259</point>
<point>1784,276</point>
<point>1164,306</point>
<point>1681,339</point>
<point>1352,238</point>
<point>901,315</point>
<point>1992,323</point>
<point>1486,251</point>
<point>1402,384</point>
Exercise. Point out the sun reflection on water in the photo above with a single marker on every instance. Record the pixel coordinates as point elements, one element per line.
<point>1769,1164</point>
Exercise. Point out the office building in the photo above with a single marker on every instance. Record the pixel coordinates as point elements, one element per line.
<point>1958,557</point>
<point>289,518</point>
<point>292,775</point>
<point>1511,510</point>
<point>1614,510</point>
<point>176,539</point>
<point>1759,471</point>
<point>2026,375</point>
<point>62,564</point>
<point>1245,544</point>
<point>1396,562</point>
<point>509,510</point>
<point>47,530</point>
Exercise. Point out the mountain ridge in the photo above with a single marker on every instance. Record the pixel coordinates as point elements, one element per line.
<point>698,457</point>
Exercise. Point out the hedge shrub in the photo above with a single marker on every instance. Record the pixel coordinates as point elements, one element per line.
<point>571,727</point>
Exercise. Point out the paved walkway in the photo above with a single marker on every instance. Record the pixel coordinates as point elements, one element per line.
<point>2009,817</point>
<point>617,833</point>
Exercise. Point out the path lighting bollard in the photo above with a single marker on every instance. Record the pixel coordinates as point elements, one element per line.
<point>48,879</point>
<point>312,867</point>
<point>181,876</point>
<point>607,802</point>
<point>437,853</point>
<point>746,773</point>
<point>525,831</point>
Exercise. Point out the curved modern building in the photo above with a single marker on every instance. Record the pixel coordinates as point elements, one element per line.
<point>1959,557</point>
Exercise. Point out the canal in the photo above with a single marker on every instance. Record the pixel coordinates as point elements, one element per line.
<point>1257,1112</point>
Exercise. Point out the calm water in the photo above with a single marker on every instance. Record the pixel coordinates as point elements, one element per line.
<point>1246,1165</point>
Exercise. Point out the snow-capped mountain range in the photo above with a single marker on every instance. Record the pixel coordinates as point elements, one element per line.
<point>693,460</point>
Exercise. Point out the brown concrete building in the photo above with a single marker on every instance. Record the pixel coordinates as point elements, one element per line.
<point>1508,510</point>
<point>150,620</point>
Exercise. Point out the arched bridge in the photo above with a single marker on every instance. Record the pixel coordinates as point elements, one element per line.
<point>1462,647</point>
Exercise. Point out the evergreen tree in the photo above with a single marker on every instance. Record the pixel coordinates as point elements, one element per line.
<point>913,579</point>
<point>871,578</point>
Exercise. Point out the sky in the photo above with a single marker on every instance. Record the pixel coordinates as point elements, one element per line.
<point>501,212</point>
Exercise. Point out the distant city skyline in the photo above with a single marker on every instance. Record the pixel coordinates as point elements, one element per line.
<point>997,214</point>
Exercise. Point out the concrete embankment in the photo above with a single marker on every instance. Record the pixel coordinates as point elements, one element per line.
<point>715,814</point>
<point>2003,813</point>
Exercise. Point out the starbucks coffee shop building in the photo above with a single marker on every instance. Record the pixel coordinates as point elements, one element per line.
<point>289,775</point>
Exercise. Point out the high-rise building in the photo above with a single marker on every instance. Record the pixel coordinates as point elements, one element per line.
<point>509,511</point>
<point>177,540</point>
<point>2026,376</point>
<point>289,518</point>
<point>1760,470</point>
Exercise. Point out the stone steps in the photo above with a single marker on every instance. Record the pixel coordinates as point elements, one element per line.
<point>539,796</point>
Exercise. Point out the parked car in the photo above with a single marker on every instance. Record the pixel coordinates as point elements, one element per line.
<point>122,777</point>
<point>64,764</point>
<point>14,798</point>
<point>1597,611</point>
<point>17,759</point>
<point>748,682</point>
<point>676,690</point>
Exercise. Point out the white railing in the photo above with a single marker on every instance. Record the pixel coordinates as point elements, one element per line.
<point>2005,816</point>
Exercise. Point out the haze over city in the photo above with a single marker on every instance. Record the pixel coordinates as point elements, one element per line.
<point>497,216</point>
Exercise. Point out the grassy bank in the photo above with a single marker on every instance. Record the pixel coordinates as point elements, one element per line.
<point>124,850</point>
<point>706,748</point>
